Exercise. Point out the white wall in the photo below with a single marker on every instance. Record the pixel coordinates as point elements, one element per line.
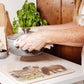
<point>13,5</point>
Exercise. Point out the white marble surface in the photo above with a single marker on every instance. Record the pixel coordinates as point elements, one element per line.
<point>13,5</point>
<point>80,82</point>
<point>14,62</point>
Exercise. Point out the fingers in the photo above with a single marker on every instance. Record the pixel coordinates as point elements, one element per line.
<point>36,47</point>
<point>26,43</point>
<point>26,46</point>
<point>23,42</point>
<point>32,46</point>
<point>31,49</point>
<point>29,46</point>
<point>33,42</point>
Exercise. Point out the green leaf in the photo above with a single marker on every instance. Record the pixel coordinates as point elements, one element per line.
<point>44,22</point>
<point>34,24</point>
<point>28,17</point>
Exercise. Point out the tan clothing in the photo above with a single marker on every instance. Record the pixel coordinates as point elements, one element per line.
<point>79,12</point>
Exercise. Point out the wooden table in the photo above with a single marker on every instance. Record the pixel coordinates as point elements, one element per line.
<point>13,62</point>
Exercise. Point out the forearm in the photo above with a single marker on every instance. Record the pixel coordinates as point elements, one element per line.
<point>55,27</point>
<point>72,35</point>
<point>59,28</point>
<point>38,40</point>
<point>73,44</point>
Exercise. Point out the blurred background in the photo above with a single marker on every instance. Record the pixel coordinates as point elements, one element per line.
<point>13,5</point>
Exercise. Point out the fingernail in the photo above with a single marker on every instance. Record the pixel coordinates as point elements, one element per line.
<point>22,43</point>
<point>29,50</point>
<point>24,48</point>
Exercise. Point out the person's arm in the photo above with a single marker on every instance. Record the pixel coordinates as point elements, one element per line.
<point>55,27</point>
<point>39,39</point>
<point>59,27</point>
<point>72,44</point>
<point>71,37</point>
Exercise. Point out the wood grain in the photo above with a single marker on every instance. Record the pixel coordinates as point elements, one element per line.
<point>56,12</point>
<point>2,33</point>
<point>67,10</point>
<point>8,26</point>
<point>50,10</point>
<point>2,15</point>
<point>70,53</point>
<point>4,21</point>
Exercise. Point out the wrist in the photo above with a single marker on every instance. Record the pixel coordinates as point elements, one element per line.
<point>48,36</point>
<point>52,37</point>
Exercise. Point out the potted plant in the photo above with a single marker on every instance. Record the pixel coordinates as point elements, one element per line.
<point>27,17</point>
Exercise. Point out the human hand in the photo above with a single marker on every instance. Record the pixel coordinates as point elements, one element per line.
<point>35,41</point>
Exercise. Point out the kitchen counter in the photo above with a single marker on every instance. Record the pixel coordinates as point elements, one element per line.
<point>14,62</point>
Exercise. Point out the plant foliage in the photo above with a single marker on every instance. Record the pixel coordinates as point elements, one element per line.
<point>28,17</point>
